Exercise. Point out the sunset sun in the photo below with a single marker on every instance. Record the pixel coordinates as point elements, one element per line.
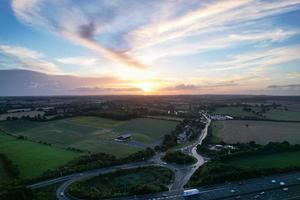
<point>146,87</point>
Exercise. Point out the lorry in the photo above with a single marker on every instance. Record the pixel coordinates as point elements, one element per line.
<point>190,192</point>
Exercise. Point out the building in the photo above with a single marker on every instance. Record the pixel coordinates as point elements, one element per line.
<point>221,117</point>
<point>123,138</point>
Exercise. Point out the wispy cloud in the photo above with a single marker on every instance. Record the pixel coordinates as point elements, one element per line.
<point>72,22</point>
<point>214,17</point>
<point>285,87</point>
<point>294,75</point>
<point>212,84</point>
<point>151,30</point>
<point>80,60</point>
<point>218,42</point>
<point>28,59</point>
<point>95,90</point>
<point>257,59</point>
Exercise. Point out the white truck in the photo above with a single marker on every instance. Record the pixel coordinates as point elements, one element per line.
<point>190,192</point>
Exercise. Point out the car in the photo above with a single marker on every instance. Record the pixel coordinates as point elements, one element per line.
<point>261,193</point>
<point>285,189</point>
<point>164,195</point>
<point>282,183</point>
<point>298,179</point>
<point>190,192</point>
<point>164,163</point>
<point>62,194</point>
<point>232,191</point>
<point>256,196</point>
<point>273,181</point>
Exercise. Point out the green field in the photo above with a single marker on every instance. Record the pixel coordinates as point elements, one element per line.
<point>146,130</point>
<point>279,160</point>
<point>262,132</point>
<point>93,134</point>
<point>235,111</point>
<point>4,175</point>
<point>272,114</point>
<point>31,158</point>
<point>284,115</point>
<point>216,126</point>
<point>123,183</point>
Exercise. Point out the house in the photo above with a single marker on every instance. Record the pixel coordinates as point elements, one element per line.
<point>123,138</point>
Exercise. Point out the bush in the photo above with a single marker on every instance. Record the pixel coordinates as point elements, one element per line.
<point>179,158</point>
<point>14,191</point>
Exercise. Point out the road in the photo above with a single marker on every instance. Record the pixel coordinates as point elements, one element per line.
<point>258,188</point>
<point>182,173</point>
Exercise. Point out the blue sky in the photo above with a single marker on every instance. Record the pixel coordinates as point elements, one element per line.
<point>158,47</point>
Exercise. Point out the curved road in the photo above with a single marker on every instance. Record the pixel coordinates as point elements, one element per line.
<point>181,173</point>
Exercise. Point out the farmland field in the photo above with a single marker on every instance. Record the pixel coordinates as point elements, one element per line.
<point>272,114</point>
<point>93,134</point>
<point>278,160</point>
<point>31,158</point>
<point>284,115</point>
<point>217,126</point>
<point>262,132</point>
<point>235,111</point>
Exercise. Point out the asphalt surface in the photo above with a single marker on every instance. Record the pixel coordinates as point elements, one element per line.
<point>259,188</point>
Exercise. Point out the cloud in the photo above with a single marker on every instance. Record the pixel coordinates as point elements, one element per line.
<point>215,17</point>
<point>25,82</point>
<point>28,59</point>
<point>219,42</point>
<point>234,82</point>
<point>81,60</point>
<point>257,59</point>
<point>181,87</point>
<point>123,31</point>
<point>293,75</point>
<point>103,89</point>
<point>70,21</point>
<point>285,87</point>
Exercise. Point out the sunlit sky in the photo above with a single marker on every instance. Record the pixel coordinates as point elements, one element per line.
<point>157,46</point>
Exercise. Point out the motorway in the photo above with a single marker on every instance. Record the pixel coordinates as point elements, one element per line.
<point>258,188</point>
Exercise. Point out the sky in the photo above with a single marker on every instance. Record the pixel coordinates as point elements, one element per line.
<point>153,47</point>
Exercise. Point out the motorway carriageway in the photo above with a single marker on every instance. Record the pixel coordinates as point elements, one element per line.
<point>258,188</point>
